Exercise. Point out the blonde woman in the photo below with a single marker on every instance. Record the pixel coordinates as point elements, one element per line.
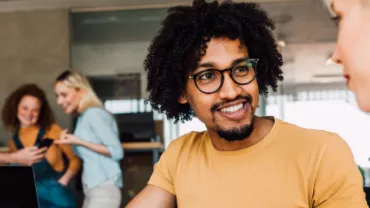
<point>353,45</point>
<point>95,140</point>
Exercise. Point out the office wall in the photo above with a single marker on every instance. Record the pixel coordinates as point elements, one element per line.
<point>111,59</point>
<point>34,48</point>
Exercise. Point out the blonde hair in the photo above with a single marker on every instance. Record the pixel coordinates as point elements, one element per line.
<point>77,81</point>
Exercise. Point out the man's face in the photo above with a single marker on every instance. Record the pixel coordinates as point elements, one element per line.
<point>353,46</point>
<point>230,110</point>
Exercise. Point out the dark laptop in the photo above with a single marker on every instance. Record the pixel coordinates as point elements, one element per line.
<point>17,187</point>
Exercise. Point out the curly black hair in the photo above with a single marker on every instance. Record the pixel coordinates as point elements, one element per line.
<point>181,42</point>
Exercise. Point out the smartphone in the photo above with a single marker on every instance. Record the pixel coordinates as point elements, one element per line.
<point>46,143</point>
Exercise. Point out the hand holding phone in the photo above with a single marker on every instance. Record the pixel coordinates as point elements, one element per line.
<point>45,143</point>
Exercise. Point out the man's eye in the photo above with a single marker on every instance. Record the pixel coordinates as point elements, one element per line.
<point>206,76</point>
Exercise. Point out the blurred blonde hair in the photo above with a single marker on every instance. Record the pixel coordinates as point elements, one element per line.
<point>77,81</point>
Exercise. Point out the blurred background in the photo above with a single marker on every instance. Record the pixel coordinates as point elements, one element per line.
<point>108,39</point>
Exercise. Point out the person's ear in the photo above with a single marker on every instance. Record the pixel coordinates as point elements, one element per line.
<point>182,99</point>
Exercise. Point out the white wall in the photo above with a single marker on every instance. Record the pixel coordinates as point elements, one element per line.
<point>111,59</point>
<point>33,49</point>
<point>303,61</point>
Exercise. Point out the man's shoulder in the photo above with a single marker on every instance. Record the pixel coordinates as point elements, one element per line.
<point>311,144</point>
<point>188,140</point>
<point>307,136</point>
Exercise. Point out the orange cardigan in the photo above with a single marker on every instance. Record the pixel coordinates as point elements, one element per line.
<point>54,154</point>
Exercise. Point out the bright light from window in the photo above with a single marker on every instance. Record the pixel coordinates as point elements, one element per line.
<point>127,106</point>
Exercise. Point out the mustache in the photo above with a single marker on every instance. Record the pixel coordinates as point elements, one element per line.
<point>216,106</point>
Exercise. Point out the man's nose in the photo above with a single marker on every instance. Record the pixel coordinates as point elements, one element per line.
<point>229,89</point>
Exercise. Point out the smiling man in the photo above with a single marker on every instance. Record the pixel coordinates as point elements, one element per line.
<point>213,61</point>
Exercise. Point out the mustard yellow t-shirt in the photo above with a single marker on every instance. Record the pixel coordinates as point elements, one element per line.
<point>291,167</point>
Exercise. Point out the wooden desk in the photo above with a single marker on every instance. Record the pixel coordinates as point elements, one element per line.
<point>155,147</point>
<point>141,145</point>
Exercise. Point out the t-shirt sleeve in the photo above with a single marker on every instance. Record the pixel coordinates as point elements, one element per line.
<point>164,169</point>
<point>338,181</point>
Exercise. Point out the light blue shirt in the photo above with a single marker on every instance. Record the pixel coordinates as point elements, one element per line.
<point>97,125</point>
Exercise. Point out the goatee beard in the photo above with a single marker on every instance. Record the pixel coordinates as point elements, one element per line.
<point>236,134</point>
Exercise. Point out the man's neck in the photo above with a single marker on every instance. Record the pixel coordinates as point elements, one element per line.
<point>262,126</point>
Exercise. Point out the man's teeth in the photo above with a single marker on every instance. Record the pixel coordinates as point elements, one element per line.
<point>232,109</point>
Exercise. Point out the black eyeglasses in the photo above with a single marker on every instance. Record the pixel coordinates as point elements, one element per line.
<point>210,81</point>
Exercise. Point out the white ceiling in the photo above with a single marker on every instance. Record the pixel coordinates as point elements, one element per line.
<point>11,5</point>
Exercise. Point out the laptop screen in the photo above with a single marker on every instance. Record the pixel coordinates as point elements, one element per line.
<point>17,187</point>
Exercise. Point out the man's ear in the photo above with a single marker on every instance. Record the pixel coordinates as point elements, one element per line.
<point>182,99</point>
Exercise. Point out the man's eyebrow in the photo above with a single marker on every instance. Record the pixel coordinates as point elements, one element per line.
<point>211,64</point>
<point>206,64</point>
<point>238,61</point>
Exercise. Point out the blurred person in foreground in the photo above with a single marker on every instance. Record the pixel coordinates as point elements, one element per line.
<point>353,45</point>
